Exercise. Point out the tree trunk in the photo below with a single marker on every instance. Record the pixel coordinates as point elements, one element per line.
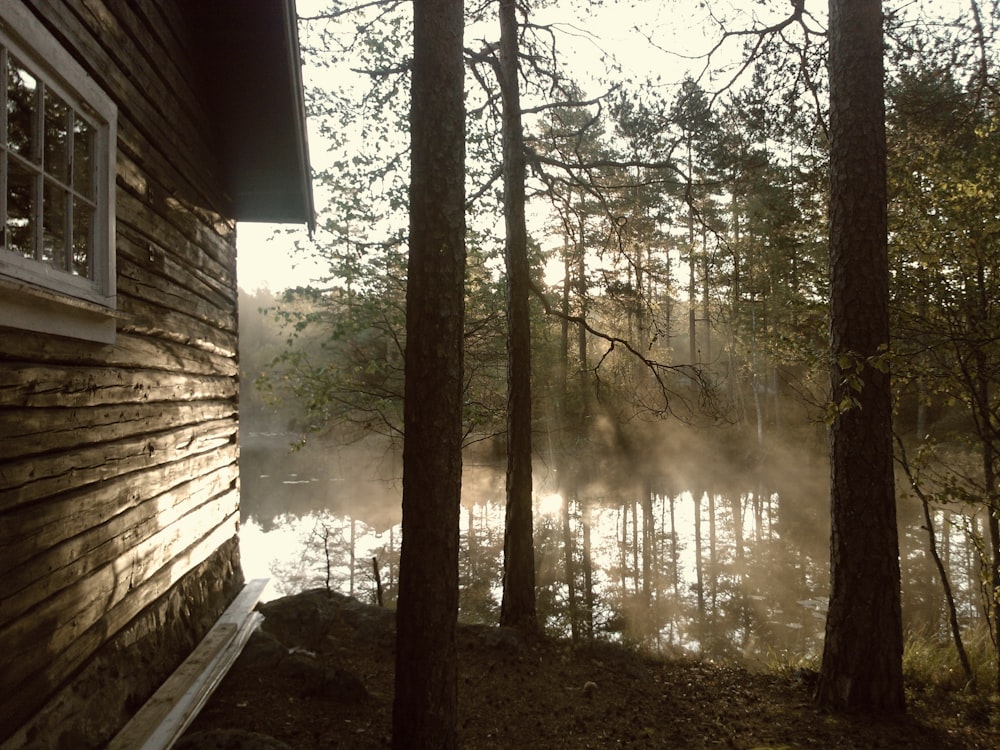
<point>648,543</point>
<point>623,552</point>
<point>949,597</point>
<point>993,524</point>
<point>588,568</point>
<point>713,557</point>
<point>698,569</point>
<point>635,546</point>
<point>426,697</point>
<point>518,606</point>
<point>692,290</point>
<point>862,656</point>
<point>354,563</point>
<point>574,628</point>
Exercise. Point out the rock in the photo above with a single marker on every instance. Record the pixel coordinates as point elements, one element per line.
<point>308,618</point>
<point>343,687</point>
<point>262,652</point>
<point>304,671</point>
<point>502,638</point>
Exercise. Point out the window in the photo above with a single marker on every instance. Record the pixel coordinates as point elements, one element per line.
<point>57,171</point>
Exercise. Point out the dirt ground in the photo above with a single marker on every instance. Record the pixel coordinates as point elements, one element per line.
<point>319,674</point>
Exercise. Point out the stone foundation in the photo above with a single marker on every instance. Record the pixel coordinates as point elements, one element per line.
<point>122,675</point>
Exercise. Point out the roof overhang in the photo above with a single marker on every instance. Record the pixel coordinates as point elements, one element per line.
<point>252,71</point>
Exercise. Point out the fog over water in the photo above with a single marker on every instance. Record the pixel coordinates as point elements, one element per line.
<point>318,517</point>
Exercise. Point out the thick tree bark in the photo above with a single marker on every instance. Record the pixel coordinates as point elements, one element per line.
<point>518,606</point>
<point>426,695</point>
<point>862,657</point>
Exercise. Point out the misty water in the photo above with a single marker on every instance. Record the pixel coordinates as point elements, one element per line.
<point>332,517</point>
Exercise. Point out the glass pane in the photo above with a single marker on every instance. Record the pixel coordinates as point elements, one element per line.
<point>83,157</point>
<point>53,226</point>
<point>20,209</point>
<point>22,88</point>
<point>56,138</point>
<point>83,237</point>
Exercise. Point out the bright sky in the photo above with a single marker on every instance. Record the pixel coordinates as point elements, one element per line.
<point>266,258</point>
<point>677,25</point>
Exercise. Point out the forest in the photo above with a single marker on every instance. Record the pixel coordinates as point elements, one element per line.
<point>659,382</point>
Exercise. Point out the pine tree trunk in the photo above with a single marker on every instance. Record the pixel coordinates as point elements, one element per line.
<point>862,656</point>
<point>518,606</point>
<point>426,696</point>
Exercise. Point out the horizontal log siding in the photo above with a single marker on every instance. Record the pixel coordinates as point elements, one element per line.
<point>118,464</point>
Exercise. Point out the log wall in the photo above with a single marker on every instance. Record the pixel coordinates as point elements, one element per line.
<point>118,464</point>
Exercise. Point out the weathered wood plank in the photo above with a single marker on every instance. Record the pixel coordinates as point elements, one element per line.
<point>136,258</point>
<point>149,319</point>
<point>30,582</point>
<point>66,616</point>
<point>128,351</point>
<point>26,696</point>
<point>165,716</point>
<point>160,52</point>
<point>27,432</point>
<point>25,480</point>
<point>30,530</point>
<point>40,386</point>
<point>209,259</point>
<point>167,20</point>
<point>136,282</point>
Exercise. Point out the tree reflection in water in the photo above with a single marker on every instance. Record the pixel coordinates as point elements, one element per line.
<point>760,597</point>
<point>761,557</point>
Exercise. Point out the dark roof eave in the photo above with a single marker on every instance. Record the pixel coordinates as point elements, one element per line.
<point>251,62</point>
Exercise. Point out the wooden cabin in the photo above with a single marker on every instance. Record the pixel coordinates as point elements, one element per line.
<point>133,136</point>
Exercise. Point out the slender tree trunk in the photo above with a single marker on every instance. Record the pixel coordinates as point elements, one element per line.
<point>949,597</point>
<point>648,543</point>
<point>713,554</point>
<point>569,492</point>
<point>518,606</point>
<point>736,508</point>
<point>942,570</point>
<point>993,525</point>
<point>635,546</point>
<point>392,550</point>
<point>574,627</point>
<point>588,567</point>
<point>698,568</point>
<point>425,702</point>
<point>668,304</point>
<point>706,304</point>
<point>692,289</point>
<point>675,567</point>
<point>863,649</point>
<point>353,559</point>
<point>472,542</point>
<point>983,417</point>
<point>623,551</point>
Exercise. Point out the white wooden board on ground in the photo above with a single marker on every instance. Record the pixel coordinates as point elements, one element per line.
<point>165,716</point>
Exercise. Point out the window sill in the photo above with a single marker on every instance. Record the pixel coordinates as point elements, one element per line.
<point>30,308</point>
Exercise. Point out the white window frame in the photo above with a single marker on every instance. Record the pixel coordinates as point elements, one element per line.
<point>35,295</point>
